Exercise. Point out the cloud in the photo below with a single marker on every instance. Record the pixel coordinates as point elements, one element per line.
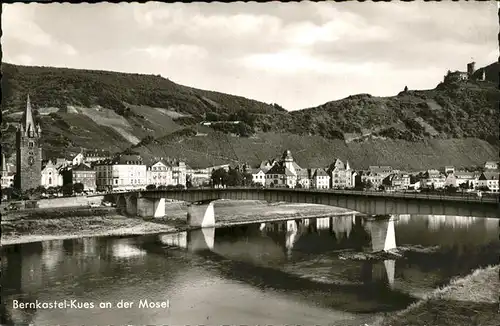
<point>296,54</point>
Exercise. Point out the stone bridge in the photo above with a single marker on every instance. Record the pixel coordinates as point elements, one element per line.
<point>151,203</point>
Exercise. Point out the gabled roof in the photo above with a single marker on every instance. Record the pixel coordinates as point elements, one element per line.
<point>49,164</point>
<point>256,171</point>
<point>320,173</point>
<point>162,162</point>
<point>464,175</point>
<point>280,169</point>
<point>336,166</point>
<point>128,159</point>
<point>97,153</point>
<point>489,176</point>
<point>82,167</point>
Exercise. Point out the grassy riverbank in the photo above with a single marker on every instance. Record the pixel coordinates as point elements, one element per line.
<point>471,300</point>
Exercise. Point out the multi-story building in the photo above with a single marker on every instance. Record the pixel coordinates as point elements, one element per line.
<point>304,179</point>
<point>96,155</point>
<point>259,176</point>
<point>7,176</point>
<point>456,179</point>
<point>160,174</point>
<point>433,179</point>
<point>449,169</point>
<point>279,176</point>
<point>51,175</point>
<point>488,179</point>
<point>85,175</point>
<point>376,175</point>
<point>319,179</point>
<point>76,159</point>
<point>179,173</point>
<point>124,172</point>
<point>397,181</point>
<point>491,165</point>
<point>285,172</point>
<point>341,175</point>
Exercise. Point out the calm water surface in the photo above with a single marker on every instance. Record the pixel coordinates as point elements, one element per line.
<point>275,273</point>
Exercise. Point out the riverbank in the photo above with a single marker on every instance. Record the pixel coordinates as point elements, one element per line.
<point>76,222</point>
<point>33,230</point>
<point>471,300</point>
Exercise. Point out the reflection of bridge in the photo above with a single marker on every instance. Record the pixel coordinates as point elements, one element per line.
<point>201,212</point>
<point>286,235</point>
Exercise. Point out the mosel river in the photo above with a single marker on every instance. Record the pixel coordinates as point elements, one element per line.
<point>270,274</point>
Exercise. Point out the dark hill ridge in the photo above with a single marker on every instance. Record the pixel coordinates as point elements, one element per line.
<point>459,110</point>
<point>114,111</point>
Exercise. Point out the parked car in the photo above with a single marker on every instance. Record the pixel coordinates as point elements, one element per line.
<point>107,203</point>
<point>11,207</point>
<point>94,205</point>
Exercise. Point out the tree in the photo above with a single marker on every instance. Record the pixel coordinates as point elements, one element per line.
<point>151,187</point>
<point>189,182</point>
<point>464,186</point>
<point>451,189</point>
<point>368,184</point>
<point>78,187</point>
<point>247,179</point>
<point>406,89</point>
<point>219,177</point>
<point>67,189</point>
<point>234,177</point>
<point>7,193</point>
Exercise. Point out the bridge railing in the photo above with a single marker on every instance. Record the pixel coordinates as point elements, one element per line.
<point>466,197</point>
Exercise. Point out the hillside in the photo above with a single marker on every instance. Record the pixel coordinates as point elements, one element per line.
<point>314,151</point>
<point>458,110</point>
<point>455,123</point>
<point>107,109</point>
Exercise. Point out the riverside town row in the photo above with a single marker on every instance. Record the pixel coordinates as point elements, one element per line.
<point>94,171</point>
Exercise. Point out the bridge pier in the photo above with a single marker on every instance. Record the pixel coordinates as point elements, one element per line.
<point>131,205</point>
<point>201,239</point>
<point>383,235</point>
<point>201,215</point>
<point>147,207</point>
<point>390,268</point>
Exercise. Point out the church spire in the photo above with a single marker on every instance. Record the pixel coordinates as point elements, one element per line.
<point>29,124</point>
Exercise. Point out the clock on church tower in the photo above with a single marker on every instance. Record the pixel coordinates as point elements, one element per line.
<point>28,152</point>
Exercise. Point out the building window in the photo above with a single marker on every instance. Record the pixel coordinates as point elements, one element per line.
<point>50,181</point>
<point>30,144</point>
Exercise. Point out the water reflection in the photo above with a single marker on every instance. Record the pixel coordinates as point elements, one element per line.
<point>53,252</point>
<point>124,248</point>
<point>289,266</point>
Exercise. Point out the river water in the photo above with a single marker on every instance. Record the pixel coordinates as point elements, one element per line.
<point>269,274</point>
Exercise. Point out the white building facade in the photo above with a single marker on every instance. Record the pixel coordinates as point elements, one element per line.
<point>159,174</point>
<point>51,176</point>
<point>127,172</point>
<point>340,175</point>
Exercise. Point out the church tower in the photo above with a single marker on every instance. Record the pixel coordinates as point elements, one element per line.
<point>28,152</point>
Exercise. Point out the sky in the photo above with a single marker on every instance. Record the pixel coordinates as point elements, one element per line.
<point>297,55</point>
